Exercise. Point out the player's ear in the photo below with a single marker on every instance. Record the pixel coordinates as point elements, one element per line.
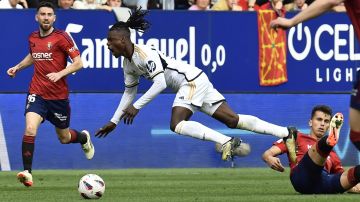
<point>36,18</point>
<point>310,122</point>
<point>54,18</point>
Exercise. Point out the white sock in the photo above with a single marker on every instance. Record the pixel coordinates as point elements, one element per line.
<point>252,123</point>
<point>199,131</point>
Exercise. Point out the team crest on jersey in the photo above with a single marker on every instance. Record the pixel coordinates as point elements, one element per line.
<point>49,45</point>
<point>151,66</point>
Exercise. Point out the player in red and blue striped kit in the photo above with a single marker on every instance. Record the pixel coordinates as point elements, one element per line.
<point>317,8</point>
<point>48,92</point>
<point>317,169</point>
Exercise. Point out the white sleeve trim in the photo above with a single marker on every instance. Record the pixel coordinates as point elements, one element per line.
<point>156,88</point>
<point>125,101</point>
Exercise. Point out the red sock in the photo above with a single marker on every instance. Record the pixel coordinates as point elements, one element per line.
<point>28,146</point>
<point>355,138</point>
<point>322,148</point>
<point>353,175</point>
<point>77,137</point>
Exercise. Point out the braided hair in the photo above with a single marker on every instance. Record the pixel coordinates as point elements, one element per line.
<point>136,21</point>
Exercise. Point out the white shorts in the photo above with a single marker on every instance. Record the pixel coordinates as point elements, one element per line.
<point>199,94</point>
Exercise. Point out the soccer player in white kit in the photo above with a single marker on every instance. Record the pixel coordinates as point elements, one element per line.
<point>193,90</point>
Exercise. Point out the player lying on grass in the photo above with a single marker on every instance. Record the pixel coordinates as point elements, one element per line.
<point>318,169</point>
<point>353,11</point>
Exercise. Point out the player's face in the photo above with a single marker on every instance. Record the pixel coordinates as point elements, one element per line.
<point>319,124</point>
<point>46,18</point>
<point>116,43</point>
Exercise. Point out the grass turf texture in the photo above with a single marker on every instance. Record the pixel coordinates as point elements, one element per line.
<point>168,185</point>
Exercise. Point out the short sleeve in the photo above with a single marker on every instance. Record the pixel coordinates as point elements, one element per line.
<point>280,143</point>
<point>68,46</point>
<point>153,64</point>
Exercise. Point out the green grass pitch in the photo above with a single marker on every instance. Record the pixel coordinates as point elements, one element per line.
<point>167,185</point>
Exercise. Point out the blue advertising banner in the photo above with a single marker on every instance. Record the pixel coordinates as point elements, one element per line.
<point>149,143</point>
<point>323,54</point>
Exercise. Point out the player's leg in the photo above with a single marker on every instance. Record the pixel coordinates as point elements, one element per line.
<point>354,113</point>
<point>350,177</point>
<point>181,124</point>
<point>33,121</point>
<point>35,111</point>
<point>59,116</point>
<point>321,150</point>
<point>213,103</point>
<point>352,8</point>
<point>227,116</point>
<point>354,117</point>
<point>67,136</point>
<point>306,175</point>
<point>187,100</point>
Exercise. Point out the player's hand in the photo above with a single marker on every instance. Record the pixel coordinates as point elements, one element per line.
<point>275,164</point>
<point>129,114</point>
<point>105,130</point>
<point>281,23</point>
<point>54,76</point>
<point>12,71</point>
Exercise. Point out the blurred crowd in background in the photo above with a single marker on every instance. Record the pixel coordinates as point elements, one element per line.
<point>194,5</point>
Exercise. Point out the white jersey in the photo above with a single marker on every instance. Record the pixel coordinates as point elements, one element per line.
<point>164,71</point>
<point>148,62</point>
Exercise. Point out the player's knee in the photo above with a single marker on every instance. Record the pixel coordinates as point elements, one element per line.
<point>30,131</point>
<point>63,140</point>
<point>173,126</point>
<point>232,122</point>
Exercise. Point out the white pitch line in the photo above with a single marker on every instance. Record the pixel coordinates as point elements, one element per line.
<point>4,156</point>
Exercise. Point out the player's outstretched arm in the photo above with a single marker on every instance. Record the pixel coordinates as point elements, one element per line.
<point>26,62</point>
<point>315,9</point>
<point>105,130</point>
<point>269,157</point>
<point>125,101</point>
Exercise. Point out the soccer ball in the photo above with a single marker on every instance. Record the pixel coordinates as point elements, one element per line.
<point>91,186</point>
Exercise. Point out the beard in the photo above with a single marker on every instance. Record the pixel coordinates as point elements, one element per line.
<point>45,27</point>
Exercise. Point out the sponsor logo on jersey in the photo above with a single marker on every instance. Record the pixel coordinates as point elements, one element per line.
<point>42,56</point>
<point>151,66</point>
